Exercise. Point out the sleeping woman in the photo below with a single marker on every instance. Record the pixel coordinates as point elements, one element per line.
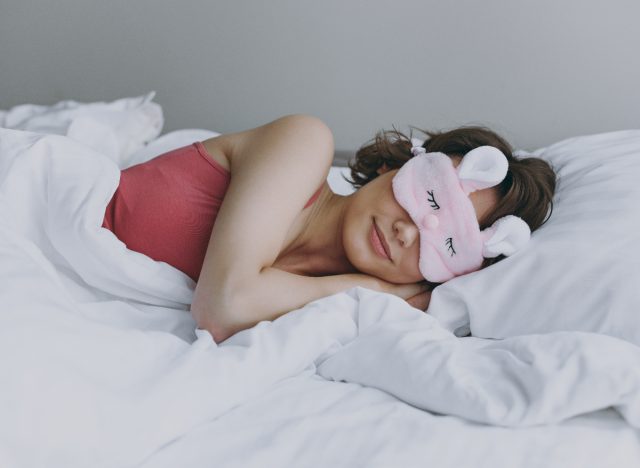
<point>250,217</point>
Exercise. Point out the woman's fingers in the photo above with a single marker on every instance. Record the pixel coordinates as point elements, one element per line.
<point>405,291</point>
<point>421,300</point>
<point>418,295</point>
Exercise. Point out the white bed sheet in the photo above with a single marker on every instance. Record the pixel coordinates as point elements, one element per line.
<point>101,365</point>
<point>308,422</point>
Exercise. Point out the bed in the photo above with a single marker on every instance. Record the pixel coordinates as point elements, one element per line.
<point>102,364</point>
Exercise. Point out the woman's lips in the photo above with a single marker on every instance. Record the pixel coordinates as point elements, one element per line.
<point>378,242</point>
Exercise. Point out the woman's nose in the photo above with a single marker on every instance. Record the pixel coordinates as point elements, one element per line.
<point>406,233</point>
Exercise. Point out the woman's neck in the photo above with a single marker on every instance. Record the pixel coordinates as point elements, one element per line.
<point>319,250</point>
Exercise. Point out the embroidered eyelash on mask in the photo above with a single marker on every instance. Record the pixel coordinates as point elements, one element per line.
<point>448,218</point>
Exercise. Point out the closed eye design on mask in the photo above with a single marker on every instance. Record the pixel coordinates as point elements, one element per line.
<point>449,243</point>
<point>432,201</point>
<point>440,220</point>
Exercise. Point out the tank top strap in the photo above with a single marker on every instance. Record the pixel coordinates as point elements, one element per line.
<point>314,197</point>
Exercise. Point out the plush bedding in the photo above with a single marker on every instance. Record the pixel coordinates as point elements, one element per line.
<point>102,364</point>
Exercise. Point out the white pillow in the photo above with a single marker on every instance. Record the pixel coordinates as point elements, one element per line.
<point>581,270</point>
<point>336,181</point>
<point>167,142</point>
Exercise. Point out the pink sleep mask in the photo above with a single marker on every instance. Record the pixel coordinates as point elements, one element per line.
<point>435,194</point>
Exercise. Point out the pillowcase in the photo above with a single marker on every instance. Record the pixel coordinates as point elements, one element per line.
<point>336,180</point>
<point>167,142</point>
<point>581,269</point>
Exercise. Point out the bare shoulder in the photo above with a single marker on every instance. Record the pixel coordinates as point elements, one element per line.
<point>275,170</point>
<point>217,150</point>
<point>231,150</point>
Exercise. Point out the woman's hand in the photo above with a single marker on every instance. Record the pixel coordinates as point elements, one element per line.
<point>421,300</point>
<point>417,295</point>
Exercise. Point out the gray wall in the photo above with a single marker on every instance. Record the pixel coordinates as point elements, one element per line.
<point>536,71</point>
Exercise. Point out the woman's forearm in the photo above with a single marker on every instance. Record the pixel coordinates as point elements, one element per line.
<point>269,295</point>
<point>274,292</point>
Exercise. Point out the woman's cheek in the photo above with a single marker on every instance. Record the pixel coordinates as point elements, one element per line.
<point>411,267</point>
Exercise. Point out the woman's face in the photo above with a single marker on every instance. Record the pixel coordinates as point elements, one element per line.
<point>375,214</point>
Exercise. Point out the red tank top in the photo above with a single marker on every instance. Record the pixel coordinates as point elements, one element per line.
<point>165,208</point>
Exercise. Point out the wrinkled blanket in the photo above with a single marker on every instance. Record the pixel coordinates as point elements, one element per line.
<point>102,364</point>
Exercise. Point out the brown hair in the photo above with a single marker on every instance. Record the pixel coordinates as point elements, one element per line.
<point>526,191</point>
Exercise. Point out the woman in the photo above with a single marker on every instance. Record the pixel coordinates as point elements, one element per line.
<point>282,238</point>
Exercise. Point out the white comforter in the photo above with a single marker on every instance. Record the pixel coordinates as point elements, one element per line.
<point>101,364</point>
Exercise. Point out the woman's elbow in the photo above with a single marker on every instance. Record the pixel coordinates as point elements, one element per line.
<point>218,331</point>
<point>215,324</point>
<point>220,334</point>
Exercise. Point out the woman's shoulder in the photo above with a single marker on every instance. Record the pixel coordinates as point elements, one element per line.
<point>217,149</point>
<point>229,149</point>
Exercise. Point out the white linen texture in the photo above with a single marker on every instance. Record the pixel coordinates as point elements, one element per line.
<point>581,270</point>
<point>117,129</point>
<point>102,364</point>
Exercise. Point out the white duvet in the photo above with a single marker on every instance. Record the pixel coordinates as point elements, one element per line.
<point>101,364</point>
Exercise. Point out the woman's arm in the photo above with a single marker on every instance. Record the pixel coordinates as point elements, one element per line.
<point>274,170</point>
<point>276,292</point>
